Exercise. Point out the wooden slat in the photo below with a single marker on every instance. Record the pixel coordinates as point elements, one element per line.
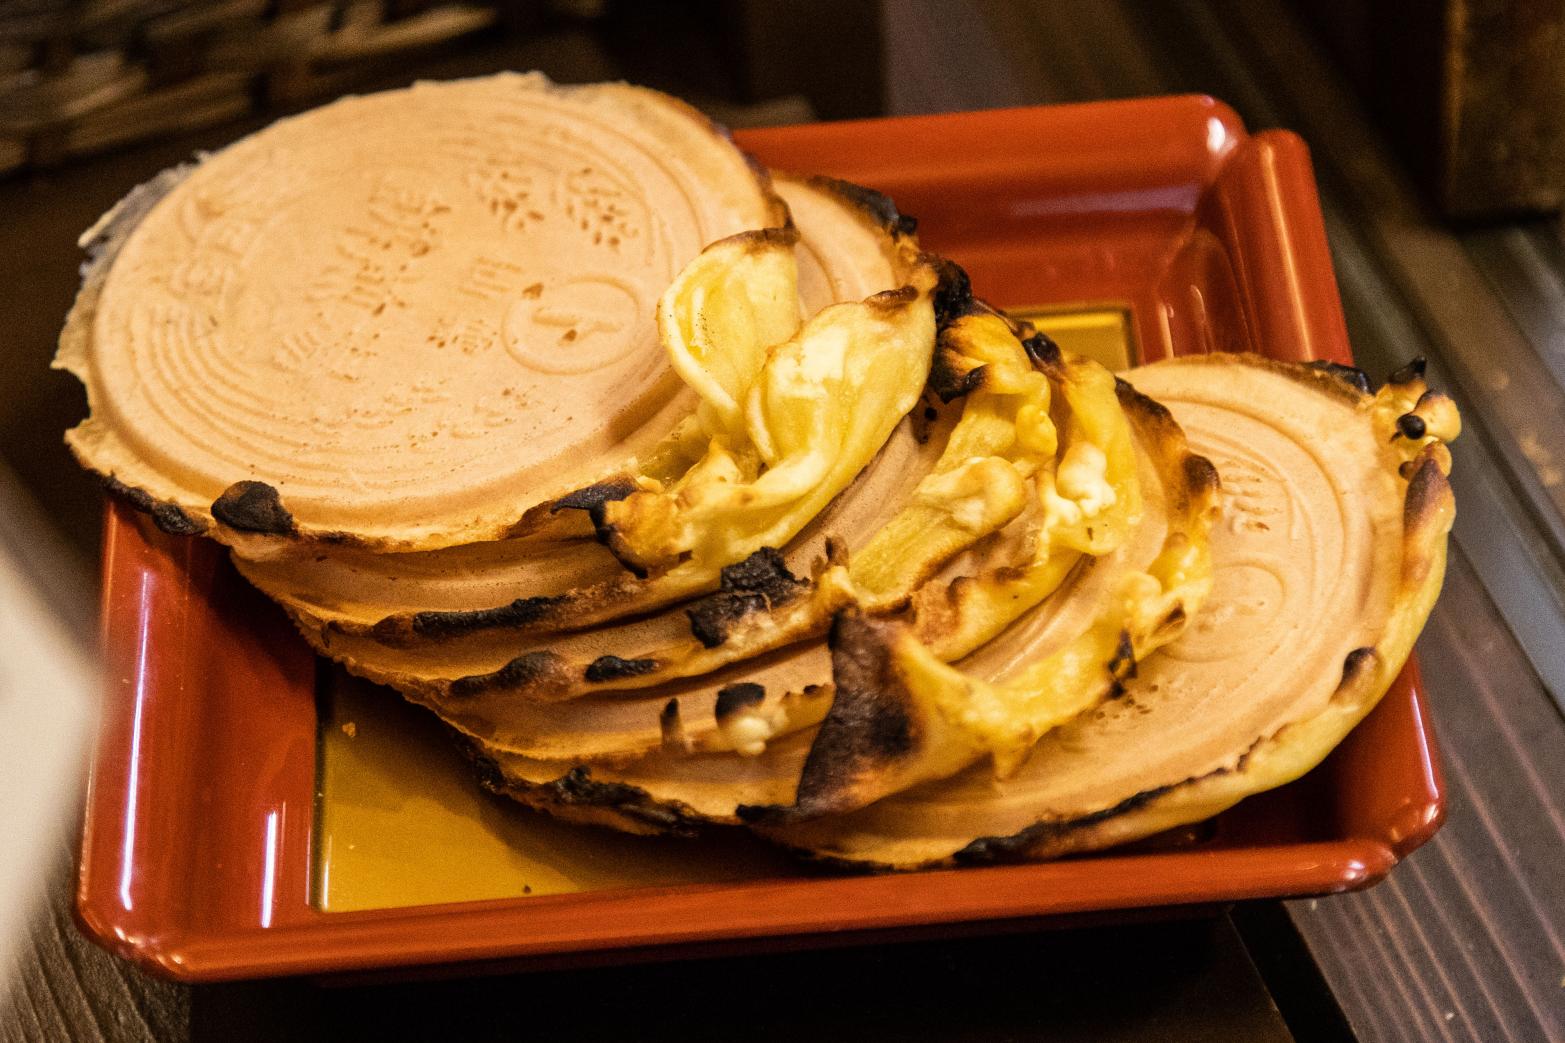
<point>66,988</point>
<point>1525,267</point>
<point>1473,922</point>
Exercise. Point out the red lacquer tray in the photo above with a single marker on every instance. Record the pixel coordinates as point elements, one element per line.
<point>197,850</point>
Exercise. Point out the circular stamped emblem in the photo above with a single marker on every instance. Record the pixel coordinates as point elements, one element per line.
<point>577,326</point>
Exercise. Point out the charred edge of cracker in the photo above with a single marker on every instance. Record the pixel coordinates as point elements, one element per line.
<point>338,538</point>
<point>251,506</point>
<point>1411,372</point>
<point>531,520</point>
<point>609,536</point>
<point>781,213</point>
<point>713,617</point>
<point>758,583</point>
<point>1352,376</point>
<point>577,788</point>
<point>593,497</point>
<point>1122,665</point>
<point>671,725</point>
<point>1411,426</point>
<point>1043,351</point>
<point>613,668</point>
<point>519,613</point>
<point>1020,845</point>
<point>986,850</point>
<point>877,206</point>
<point>524,671</point>
<point>737,697</point>
<point>1201,475</point>
<point>922,418</point>
<point>948,380</point>
<point>1358,663</point>
<point>867,726</point>
<point>1176,618</point>
<point>168,517</point>
<point>1153,411</point>
<point>891,300</point>
<point>595,501</point>
<point>757,238</point>
<point>1298,373</point>
<point>1427,491</point>
<point>953,291</point>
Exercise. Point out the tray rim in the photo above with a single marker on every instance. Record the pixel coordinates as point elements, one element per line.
<point>538,926</point>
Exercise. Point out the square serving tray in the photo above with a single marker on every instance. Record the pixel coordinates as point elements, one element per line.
<point>202,835</point>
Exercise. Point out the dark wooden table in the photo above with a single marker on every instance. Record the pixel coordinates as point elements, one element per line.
<point>1465,941</point>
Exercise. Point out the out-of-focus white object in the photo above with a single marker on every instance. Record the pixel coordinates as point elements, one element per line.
<point>48,701</point>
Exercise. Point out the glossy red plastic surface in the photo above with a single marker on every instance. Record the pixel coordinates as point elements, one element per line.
<point>196,857</point>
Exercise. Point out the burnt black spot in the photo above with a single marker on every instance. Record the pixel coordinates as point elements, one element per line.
<point>594,496</point>
<point>949,377</point>
<point>1045,354</point>
<point>578,787</point>
<point>253,507</point>
<point>906,224</point>
<point>524,670</point>
<point>594,499</point>
<point>669,716</point>
<point>489,774</point>
<point>1411,425</point>
<point>868,725</point>
<point>173,520</point>
<point>758,583</point>
<point>1123,665</point>
<point>519,613</point>
<point>168,517</point>
<point>922,420</point>
<point>1425,490</point>
<point>737,697</point>
<point>893,299</point>
<point>1414,370</point>
<point>764,572</point>
<point>612,668</point>
<point>1002,849</point>
<point>1200,473</point>
<point>1357,662</point>
<point>713,616</point>
<point>1349,375</point>
<point>1152,410</point>
<point>953,291</point>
